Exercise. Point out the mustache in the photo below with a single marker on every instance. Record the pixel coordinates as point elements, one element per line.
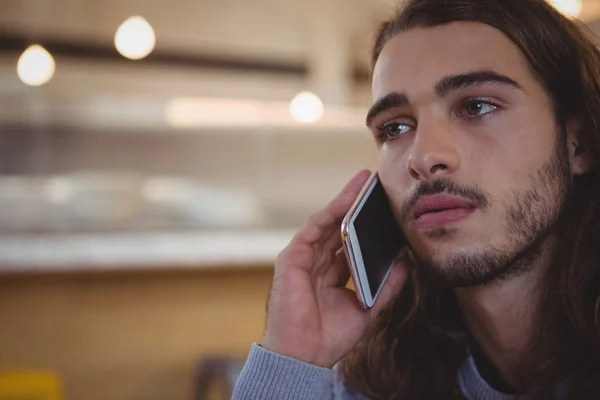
<point>474,194</point>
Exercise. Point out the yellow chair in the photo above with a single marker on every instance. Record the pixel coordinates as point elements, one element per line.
<point>30,386</point>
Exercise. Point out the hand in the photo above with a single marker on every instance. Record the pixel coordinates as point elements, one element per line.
<point>312,316</point>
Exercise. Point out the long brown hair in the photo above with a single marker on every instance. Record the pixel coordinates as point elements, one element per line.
<point>416,345</point>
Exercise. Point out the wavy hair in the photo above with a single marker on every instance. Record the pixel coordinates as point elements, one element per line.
<point>415,346</point>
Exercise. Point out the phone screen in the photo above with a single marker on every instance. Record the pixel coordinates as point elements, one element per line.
<point>379,236</point>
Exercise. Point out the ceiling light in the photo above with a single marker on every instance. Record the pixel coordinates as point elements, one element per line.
<point>35,66</point>
<point>306,107</point>
<point>135,38</point>
<point>571,8</point>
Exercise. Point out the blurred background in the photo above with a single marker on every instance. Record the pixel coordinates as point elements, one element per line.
<point>154,158</point>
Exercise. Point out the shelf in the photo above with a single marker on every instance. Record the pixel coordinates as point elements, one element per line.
<point>115,252</point>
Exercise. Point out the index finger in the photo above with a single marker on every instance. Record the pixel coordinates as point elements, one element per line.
<point>321,223</point>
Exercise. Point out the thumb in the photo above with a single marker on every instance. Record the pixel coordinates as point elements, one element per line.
<point>393,285</point>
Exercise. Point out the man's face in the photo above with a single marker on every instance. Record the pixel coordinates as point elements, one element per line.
<point>468,149</point>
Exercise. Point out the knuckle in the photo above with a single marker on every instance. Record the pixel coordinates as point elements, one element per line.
<point>313,218</point>
<point>281,258</point>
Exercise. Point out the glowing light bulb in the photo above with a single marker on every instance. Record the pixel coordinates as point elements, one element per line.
<point>135,38</point>
<point>35,66</point>
<point>306,107</point>
<point>569,7</point>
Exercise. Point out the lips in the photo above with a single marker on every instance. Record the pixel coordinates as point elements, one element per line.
<point>439,210</point>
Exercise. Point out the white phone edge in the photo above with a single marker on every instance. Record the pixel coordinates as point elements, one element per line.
<point>367,296</point>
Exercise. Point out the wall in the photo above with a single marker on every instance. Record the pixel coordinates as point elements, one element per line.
<point>129,336</point>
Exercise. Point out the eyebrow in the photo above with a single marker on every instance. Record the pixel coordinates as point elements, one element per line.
<point>443,87</point>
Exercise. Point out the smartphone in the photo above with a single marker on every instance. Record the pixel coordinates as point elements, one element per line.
<point>372,241</point>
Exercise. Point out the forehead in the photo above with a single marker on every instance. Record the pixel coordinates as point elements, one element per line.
<point>415,60</point>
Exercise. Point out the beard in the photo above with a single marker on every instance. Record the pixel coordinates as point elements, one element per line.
<point>529,218</point>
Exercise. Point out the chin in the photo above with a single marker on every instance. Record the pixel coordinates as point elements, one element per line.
<point>453,265</point>
<point>437,246</point>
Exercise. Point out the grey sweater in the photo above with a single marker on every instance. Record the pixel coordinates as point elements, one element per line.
<point>270,376</point>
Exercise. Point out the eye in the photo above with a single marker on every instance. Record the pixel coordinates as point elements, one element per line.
<point>392,130</point>
<point>478,108</point>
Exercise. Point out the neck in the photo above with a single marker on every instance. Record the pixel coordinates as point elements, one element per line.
<point>501,314</point>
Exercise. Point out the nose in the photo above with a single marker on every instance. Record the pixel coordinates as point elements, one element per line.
<point>434,152</point>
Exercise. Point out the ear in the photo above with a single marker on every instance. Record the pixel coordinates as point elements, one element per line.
<point>578,155</point>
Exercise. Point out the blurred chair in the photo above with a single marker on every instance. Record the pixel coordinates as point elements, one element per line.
<point>30,386</point>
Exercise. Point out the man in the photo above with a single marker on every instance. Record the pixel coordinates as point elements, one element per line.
<point>494,105</point>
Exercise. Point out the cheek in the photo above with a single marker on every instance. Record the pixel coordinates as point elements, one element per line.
<point>512,162</point>
<point>531,135</point>
<point>393,173</point>
<point>501,155</point>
